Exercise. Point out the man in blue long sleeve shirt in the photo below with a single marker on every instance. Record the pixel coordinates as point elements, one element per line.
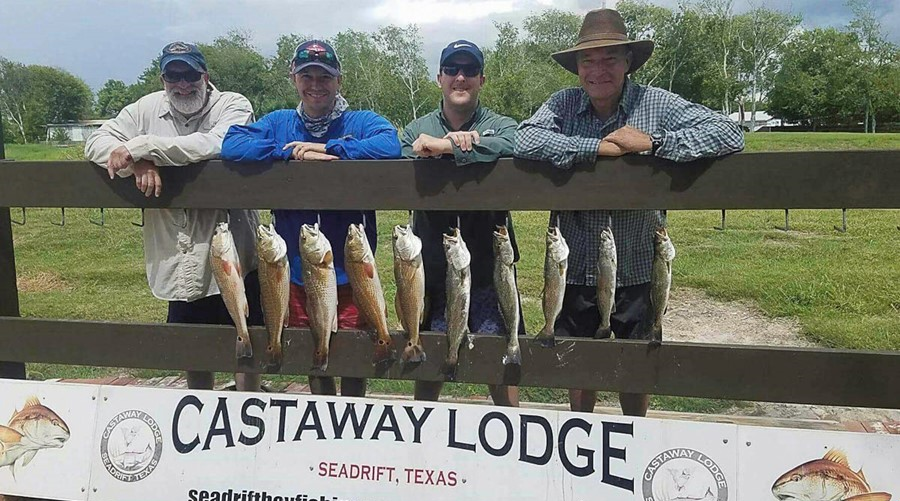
<point>321,128</point>
<point>610,116</point>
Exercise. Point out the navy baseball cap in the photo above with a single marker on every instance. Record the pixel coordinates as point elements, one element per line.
<point>181,51</point>
<point>316,53</point>
<point>465,47</point>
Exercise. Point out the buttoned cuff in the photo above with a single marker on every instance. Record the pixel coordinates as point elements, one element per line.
<point>139,147</point>
<point>587,150</point>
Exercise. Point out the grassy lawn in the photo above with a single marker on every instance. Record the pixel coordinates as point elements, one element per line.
<point>842,288</point>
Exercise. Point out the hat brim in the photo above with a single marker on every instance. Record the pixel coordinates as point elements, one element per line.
<point>640,53</point>
<point>333,71</point>
<point>190,61</point>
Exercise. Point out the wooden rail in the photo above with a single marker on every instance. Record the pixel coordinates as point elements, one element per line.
<point>867,179</point>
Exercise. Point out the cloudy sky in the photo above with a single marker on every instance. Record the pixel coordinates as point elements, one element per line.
<point>102,39</point>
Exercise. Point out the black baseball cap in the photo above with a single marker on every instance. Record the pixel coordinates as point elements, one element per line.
<point>462,46</point>
<point>316,53</point>
<point>181,51</point>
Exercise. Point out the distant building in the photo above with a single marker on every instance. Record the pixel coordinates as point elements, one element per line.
<point>72,132</point>
<point>764,121</point>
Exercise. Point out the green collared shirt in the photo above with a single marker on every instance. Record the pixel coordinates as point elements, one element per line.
<point>497,134</point>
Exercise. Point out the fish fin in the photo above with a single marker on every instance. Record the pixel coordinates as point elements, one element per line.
<point>27,457</point>
<point>413,353</point>
<point>656,335</point>
<point>334,323</point>
<point>246,309</point>
<point>328,258</point>
<point>613,309</point>
<point>862,476</point>
<point>870,496</point>
<point>287,317</point>
<point>369,269</point>
<point>226,266</point>
<point>837,456</point>
<point>562,269</point>
<point>546,336</point>
<point>513,356</point>
<point>15,411</point>
<point>603,333</point>
<point>32,401</point>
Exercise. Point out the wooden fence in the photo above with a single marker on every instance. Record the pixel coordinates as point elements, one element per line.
<point>802,180</point>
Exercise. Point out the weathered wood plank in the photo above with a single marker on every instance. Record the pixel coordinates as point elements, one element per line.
<point>799,375</point>
<point>820,179</point>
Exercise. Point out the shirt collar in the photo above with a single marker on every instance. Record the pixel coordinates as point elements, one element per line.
<point>479,112</point>
<point>166,109</point>
<point>626,101</point>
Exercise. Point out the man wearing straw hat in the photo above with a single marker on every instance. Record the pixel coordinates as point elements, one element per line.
<point>609,115</point>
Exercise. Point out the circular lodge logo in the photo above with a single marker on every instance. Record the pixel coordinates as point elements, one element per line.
<point>681,474</point>
<point>131,446</point>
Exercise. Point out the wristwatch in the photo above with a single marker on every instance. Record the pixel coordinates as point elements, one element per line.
<point>656,140</point>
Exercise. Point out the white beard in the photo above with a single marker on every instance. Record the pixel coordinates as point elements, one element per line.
<point>187,104</point>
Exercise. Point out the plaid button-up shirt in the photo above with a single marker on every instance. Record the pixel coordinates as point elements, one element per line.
<point>565,131</point>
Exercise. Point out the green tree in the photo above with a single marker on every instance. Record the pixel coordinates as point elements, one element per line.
<point>818,80</point>
<point>235,65</point>
<point>112,98</point>
<point>33,96</point>
<point>878,62</point>
<point>14,87</point>
<point>763,34</point>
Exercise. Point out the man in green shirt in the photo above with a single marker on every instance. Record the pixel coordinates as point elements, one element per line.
<point>460,128</point>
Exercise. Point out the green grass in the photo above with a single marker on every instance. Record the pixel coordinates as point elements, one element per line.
<point>815,141</point>
<point>44,152</point>
<point>842,288</point>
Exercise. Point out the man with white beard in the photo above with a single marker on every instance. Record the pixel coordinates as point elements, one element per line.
<point>181,125</point>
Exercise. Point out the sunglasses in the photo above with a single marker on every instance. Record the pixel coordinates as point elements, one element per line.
<point>468,70</point>
<point>177,76</point>
<point>306,56</point>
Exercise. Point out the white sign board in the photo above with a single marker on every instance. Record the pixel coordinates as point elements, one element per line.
<point>152,444</point>
<point>47,439</point>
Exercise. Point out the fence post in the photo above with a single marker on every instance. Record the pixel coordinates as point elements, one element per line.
<point>9,293</point>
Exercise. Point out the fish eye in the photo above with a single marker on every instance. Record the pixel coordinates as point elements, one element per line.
<point>795,478</point>
<point>54,422</point>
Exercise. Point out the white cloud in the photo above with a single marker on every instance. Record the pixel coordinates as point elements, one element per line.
<point>435,11</point>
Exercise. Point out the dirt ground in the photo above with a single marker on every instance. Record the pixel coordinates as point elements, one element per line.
<point>695,317</point>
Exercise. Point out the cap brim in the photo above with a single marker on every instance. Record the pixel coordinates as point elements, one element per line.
<point>462,50</point>
<point>333,71</point>
<point>640,53</point>
<point>190,61</point>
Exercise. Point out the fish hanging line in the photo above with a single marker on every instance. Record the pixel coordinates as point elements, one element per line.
<point>20,223</point>
<point>102,221</point>
<point>318,218</point>
<point>364,218</point>
<point>141,225</point>
<point>63,220</point>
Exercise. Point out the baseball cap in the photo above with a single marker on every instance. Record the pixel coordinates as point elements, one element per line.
<point>181,51</point>
<point>462,46</point>
<point>315,53</point>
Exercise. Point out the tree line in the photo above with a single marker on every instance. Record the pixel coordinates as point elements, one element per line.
<point>761,59</point>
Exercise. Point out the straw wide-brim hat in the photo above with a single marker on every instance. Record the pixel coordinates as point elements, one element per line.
<point>604,28</point>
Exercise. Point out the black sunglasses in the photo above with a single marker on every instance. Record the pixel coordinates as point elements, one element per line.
<point>468,70</point>
<point>177,76</point>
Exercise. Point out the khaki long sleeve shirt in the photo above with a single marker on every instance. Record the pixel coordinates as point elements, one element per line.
<point>176,241</point>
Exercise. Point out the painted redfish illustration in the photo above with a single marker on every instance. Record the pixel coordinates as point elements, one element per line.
<point>826,479</point>
<point>31,429</point>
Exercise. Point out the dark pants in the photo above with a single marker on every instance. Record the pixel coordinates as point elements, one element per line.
<point>211,310</point>
<point>580,316</point>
